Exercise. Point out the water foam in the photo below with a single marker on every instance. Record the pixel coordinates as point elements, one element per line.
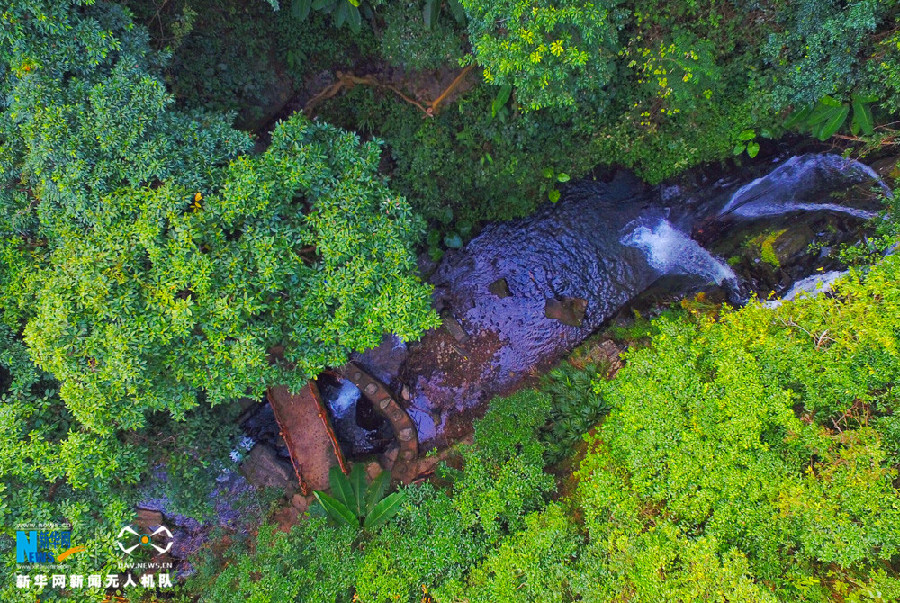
<point>345,399</point>
<point>670,251</point>
<point>809,286</point>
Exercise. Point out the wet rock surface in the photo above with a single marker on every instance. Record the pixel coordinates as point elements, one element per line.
<point>263,468</point>
<point>259,424</point>
<point>384,361</point>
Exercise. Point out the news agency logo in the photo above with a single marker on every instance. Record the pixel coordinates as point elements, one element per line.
<point>136,539</point>
<point>40,546</point>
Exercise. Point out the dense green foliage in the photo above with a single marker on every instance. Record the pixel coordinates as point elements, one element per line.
<point>147,270</point>
<point>158,302</point>
<point>153,268</point>
<point>654,86</point>
<point>550,51</point>
<point>158,264</point>
<point>750,458</point>
<point>435,536</point>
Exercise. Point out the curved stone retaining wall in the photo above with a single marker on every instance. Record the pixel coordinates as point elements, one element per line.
<point>405,468</point>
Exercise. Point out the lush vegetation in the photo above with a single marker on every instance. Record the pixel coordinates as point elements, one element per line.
<point>153,268</point>
<point>202,199</point>
<point>749,458</point>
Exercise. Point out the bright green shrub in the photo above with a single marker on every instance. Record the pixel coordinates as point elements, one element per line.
<point>85,479</point>
<point>302,246</point>
<point>503,476</point>
<point>531,565</point>
<point>548,51</point>
<point>427,543</point>
<point>633,548</point>
<point>769,433</point>
<point>314,564</point>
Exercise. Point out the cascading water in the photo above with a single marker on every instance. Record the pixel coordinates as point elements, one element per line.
<point>359,429</point>
<point>811,285</point>
<point>800,184</point>
<point>672,252</point>
<point>524,292</point>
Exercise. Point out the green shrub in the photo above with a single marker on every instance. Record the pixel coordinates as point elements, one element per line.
<point>575,408</point>
<point>531,565</point>
<point>817,48</point>
<point>548,51</point>
<point>503,476</point>
<point>407,42</point>
<point>314,563</point>
<point>427,543</point>
<point>769,433</point>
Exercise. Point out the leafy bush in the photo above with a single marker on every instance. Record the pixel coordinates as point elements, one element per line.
<point>427,543</point>
<point>408,42</point>
<point>503,476</point>
<point>816,51</point>
<point>531,565</point>
<point>222,274</point>
<point>548,51</point>
<point>769,433</point>
<point>87,480</point>
<point>575,408</point>
<point>314,563</point>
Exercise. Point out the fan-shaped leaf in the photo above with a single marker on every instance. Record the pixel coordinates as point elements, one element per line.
<point>862,116</point>
<point>384,510</point>
<point>354,19</point>
<point>358,483</point>
<point>300,9</point>
<point>340,486</point>
<point>336,509</point>
<point>376,490</point>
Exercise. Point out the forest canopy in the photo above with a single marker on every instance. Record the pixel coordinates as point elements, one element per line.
<point>203,199</point>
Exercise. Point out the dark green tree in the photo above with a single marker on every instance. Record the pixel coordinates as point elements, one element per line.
<point>150,264</point>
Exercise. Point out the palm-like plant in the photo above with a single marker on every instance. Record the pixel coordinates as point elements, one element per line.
<point>355,504</point>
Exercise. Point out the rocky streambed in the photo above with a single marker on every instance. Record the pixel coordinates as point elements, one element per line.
<point>523,293</point>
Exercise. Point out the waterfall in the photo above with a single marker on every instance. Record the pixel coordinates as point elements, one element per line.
<point>671,251</point>
<point>801,183</point>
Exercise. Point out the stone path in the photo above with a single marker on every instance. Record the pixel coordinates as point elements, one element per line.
<point>305,434</point>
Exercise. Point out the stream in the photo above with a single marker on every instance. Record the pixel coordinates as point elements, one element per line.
<point>523,293</point>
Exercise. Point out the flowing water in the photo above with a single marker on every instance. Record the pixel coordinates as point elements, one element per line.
<point>589,254</point>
